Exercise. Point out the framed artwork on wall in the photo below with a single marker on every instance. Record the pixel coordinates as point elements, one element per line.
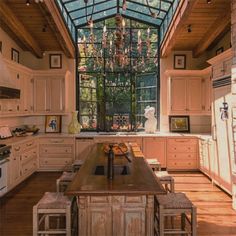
<point>179,124</point>
<point>15,55</point>
<point>179,61</point>
<point>52,124</point>
<point>55,61</point>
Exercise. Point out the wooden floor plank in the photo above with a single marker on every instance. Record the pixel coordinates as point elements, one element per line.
<point>214,207</point>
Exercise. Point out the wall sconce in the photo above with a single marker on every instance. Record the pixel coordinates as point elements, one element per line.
<point>224,111</point>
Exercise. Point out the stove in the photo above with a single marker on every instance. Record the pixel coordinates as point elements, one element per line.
<point>5,151</point>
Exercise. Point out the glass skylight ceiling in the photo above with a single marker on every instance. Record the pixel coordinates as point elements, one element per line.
<point>157,13</point>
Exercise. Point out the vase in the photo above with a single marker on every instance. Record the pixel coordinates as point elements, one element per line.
<point>74,126</point>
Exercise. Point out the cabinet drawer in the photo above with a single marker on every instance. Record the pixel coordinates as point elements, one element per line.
<point>182,156</point>
<point>182,141</point>
<point>55,149</point>
<point>182,148</point>
<point>181,165</point>
<point>29,154</point>
<point>49,162</point>
<point>56,141</point>
<point>22,147</point>
<point>29,167</point>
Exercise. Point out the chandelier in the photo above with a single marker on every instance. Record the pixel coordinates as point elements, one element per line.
<point>119,53</point>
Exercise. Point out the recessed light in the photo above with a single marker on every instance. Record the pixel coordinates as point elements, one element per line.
<point>208,1</point>
<point>27,2</point>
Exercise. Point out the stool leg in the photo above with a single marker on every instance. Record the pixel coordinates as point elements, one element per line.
<point>172,186</point>
<point>194,221</point>
<point>35,221</point>
<point>183,222</point>
<point>161,221</point>
<point>68,221</point>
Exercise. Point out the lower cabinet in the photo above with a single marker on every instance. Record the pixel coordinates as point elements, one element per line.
<point>23,162</point>
<point>82,148</point>
<point>182,154</point>
<point>155,148</point>
<point>56,153</point>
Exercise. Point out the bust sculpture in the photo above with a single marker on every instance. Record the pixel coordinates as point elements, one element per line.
<point>151,122</point>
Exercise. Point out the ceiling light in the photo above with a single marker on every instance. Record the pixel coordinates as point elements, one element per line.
<point>208,1</point>
<point>189,28</point>
<point>27,2</point>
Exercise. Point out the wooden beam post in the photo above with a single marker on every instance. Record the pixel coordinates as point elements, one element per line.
<point>56,23</point>
<point>217,28</point>
<point>19,29</point>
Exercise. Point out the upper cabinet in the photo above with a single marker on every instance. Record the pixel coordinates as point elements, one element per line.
<point>189,92</point>
<point>221,65</point>
<point>49,94</point>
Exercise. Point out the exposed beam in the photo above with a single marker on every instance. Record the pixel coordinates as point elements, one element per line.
<point>19,29</point>
<point>181,16</point>
<point>56,22</point>
<point>217,28</point>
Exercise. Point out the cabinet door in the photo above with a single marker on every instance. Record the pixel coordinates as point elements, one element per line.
<point>41,95</point>
<point>28,95</point>
<point>57,95</point>
<point>14,170</point>
<point>155,148</point>
<point>207,95</point>
<point>194,95</point>
<point>83,148</point>
<point>178,95</point>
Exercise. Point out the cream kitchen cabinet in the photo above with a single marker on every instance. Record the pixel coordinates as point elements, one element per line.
<point>83,148</point>
<point>49,94</point>
<point>23,161</point>
<point>56,153</point>
<point>189,92</point>
<point>182,154</point>
<point>155,148</point>
<point>204,157</point>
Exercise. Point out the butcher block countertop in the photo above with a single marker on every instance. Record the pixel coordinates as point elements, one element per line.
<point>141,179</point>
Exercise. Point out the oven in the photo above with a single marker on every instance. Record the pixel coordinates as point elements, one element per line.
<point>4,154</point>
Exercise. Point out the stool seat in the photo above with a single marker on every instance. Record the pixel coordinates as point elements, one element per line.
<point>166,179</point>
<point>67,176</point>
<point>78,162</point>
<point>174,201</point>
<point>162,174</point>
<point>53,201</point>
<point>154,164</point>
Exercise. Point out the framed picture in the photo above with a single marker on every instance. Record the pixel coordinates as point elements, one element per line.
<point>52,124</point>
<point>179,124</point>
<point>219,50</point>
<point>55,61</point>
<point>15,56</point>
<point>179,61</point>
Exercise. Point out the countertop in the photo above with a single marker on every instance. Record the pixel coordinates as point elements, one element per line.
<point>141,179</point>
<point>91,135</point>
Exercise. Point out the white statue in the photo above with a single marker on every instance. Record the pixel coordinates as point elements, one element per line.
<point>151,122</point>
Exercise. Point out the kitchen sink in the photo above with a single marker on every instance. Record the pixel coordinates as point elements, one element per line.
<point>118,170</point>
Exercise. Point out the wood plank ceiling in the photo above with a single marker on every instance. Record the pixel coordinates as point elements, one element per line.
<point>208,21</point>
<point>32,27</point>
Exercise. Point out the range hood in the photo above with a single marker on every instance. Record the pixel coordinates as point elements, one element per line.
<point>8,89</point>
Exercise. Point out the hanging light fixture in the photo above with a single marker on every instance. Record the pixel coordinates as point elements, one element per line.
<point>152,13</point>
<point>27,3</point>
<point>113,44</point>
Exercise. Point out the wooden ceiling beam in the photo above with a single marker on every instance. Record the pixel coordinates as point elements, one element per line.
<point>220,24</point>
<point>19,29</point>
<point>179,20</point>
<point>57,25</point>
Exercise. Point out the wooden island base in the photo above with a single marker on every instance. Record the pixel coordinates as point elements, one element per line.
<point>116,215</point>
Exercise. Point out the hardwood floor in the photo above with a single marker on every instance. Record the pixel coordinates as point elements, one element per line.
<point>214,212</point>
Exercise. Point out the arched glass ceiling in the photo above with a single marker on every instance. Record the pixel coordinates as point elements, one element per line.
<point>157,13</point>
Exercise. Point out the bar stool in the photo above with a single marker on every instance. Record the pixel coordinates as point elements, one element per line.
<point>175,205</point>
<point>77,164</point>
<point>154,164</point>
<point>166,180</point>
<point>52,215</point>
<point>64,180</point>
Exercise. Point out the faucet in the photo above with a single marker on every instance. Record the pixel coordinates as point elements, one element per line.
<point>110,166</point>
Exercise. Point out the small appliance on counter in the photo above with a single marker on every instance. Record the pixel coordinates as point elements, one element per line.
<point>5,132</point>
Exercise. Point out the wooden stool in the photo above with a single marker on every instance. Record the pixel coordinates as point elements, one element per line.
<point>77,164</point>
<point>52,215</point>
<point>154,164</point>
<point>166,180</point>
<point>64,180</point>
<point>175,204</point>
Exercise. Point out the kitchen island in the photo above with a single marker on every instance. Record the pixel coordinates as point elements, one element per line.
<point>122,206</point>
